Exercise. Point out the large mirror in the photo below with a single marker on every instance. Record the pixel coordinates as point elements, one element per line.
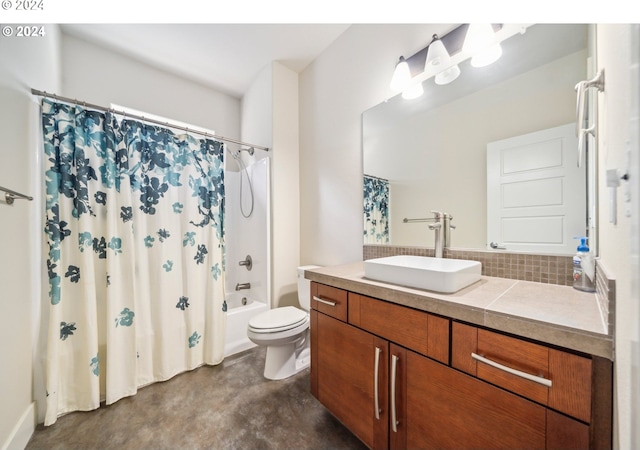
<point>430,153</point>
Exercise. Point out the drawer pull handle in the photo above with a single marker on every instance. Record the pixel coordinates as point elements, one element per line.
<point>394,366</point>
<point>326,302</point>
<point>376,400</point>
<point>518,373</point>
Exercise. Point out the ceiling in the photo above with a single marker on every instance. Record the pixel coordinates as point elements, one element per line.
<point>224,57</point>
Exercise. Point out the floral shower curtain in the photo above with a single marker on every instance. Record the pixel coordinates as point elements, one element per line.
<point>134,224</point>
<point>376,210</point>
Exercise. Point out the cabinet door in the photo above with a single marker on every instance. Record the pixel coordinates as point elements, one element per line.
<point>565,433</point>
<point>449,409</point>
<point>345,377</point>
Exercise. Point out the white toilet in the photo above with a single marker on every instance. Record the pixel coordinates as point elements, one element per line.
<point>285,332</point>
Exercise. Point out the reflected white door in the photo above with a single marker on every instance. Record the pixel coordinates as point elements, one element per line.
<point>536,194</point>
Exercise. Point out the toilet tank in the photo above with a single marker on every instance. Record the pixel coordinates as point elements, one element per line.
<point>304,288</point>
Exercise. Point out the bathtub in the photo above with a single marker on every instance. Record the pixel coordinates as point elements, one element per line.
<point>238,316</point>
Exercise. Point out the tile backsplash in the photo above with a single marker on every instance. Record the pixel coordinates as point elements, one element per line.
<point>606,294</point>
<point>518,266</point>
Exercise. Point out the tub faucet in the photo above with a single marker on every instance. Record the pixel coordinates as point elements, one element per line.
<point>240,286</point>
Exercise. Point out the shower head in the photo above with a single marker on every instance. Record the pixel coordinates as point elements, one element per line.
<point>236,154</point>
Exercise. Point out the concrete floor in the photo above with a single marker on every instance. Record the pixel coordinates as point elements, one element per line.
<point>229,406</point>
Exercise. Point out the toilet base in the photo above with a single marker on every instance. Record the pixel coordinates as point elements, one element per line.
<point>283,361</point>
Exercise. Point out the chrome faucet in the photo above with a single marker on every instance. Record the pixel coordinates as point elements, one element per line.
<point>442,227</point>
<point>447,227</point>
<point>437,227</point>
<point>240,286</point>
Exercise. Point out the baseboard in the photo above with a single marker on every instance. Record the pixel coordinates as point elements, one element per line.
<point>22,431</point>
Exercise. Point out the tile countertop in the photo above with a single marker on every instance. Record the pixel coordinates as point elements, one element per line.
<point>549,313</point>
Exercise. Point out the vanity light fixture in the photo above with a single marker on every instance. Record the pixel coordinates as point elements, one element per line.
<point>440,59</point>
<point>401,76</point>
<point>481,43</point>
<point>439,62</point>
<point>401,81</point>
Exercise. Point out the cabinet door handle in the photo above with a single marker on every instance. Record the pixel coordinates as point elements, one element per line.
<point>518,373</point>
<point>326,302</point>
<point>394,366</point>
<point>376,382</point>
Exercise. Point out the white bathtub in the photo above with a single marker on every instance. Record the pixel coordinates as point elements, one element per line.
<point>238,316</point>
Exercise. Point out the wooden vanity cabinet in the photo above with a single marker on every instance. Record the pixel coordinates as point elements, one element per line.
<point>431,393</point>
<point>358,366</point>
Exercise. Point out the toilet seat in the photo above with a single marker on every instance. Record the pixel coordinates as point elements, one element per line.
<point>278,319</point>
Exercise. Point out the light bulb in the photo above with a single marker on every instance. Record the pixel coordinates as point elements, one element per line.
<point>413,91</point>
<point>401,76</point>
<point>487,56</point>
<point>447,75</point>
<point>480,42</point>
<point>437,55</point>
<point>438,61</point>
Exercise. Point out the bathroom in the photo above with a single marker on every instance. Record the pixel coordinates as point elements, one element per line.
<point>313,123</point>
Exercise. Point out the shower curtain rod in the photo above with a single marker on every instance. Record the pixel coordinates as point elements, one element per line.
<point>144,119</point>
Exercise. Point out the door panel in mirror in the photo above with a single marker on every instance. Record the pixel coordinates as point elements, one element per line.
<point>536,197</point>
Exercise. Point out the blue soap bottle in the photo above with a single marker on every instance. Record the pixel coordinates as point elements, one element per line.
<point>583,268</point>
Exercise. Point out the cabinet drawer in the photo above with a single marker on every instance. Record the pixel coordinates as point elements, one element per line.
<point>329,300</point>
<point>551,377</point>
<point>417,330</point>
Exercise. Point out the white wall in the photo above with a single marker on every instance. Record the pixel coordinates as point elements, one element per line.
<point>270,118</point>
<point>102,77</point>
<point>256,125</point>
<point>25,64</point>
<point>614,53</point>
<point>351,76</point>
<point>634,180</point>
<point>286,186</point>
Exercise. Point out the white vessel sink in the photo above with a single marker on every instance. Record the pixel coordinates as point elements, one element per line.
<point>423,272</point>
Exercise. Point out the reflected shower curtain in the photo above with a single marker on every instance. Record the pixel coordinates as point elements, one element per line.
<point>135,231</point>
<point>376,210</point>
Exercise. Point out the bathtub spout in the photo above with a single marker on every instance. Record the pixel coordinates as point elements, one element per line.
<point>241,286</point>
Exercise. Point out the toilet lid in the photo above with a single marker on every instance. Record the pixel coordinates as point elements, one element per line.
<point>278,319</point>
